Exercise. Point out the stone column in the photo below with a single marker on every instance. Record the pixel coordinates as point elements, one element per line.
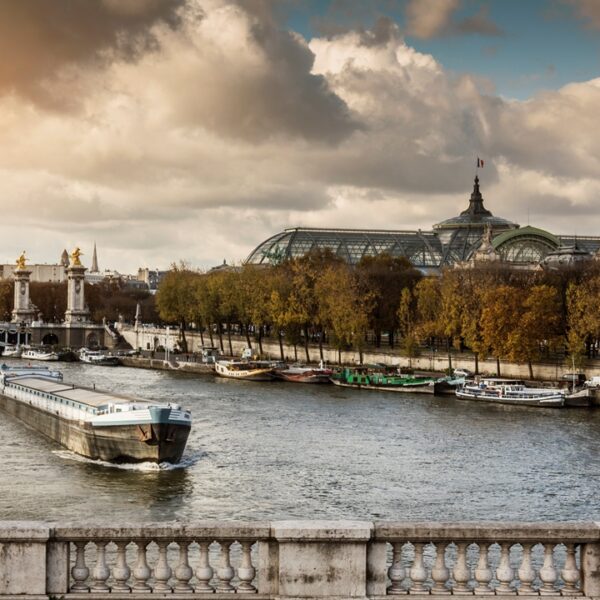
<point>23,559</point>
<point>322,558</point>
<point>23,311</point>
<point>76,311</point>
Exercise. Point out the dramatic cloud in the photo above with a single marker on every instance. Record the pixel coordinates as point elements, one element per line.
<point>228,128</point>
<point>39,39</point>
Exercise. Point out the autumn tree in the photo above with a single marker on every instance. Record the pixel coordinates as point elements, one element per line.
<point>385,277</point>
<point>175,293</point>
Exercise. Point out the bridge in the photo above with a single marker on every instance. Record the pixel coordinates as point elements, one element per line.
<point>299,559</point>
<point>55,334</point>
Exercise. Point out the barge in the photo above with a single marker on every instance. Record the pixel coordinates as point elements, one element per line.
<point>97,425</point>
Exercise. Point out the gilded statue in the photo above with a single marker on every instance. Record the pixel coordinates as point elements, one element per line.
<point>75,262</point>
<point>21,261</point>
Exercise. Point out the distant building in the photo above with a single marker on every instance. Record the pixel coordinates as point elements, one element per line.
<point>151,277</point>
<point>475,234</point>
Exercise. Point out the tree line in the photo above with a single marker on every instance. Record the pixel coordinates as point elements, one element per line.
<point>491,310</point>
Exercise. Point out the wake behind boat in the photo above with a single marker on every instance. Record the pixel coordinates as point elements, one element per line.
<point>511,391</point>
<point>247,370</point>
<point>97,425</point>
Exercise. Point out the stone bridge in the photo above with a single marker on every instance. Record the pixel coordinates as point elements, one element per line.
<point>75,335</point>
<point>299,559</point>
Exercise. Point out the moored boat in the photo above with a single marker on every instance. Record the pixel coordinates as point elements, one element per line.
<point>511,391</point>
<point>11,351</point>
<point>41,353</point>
<point>95,424</point>
<point>30,370</point>
<point>304,374</point>
<point>97,357</point>
<point>247,370</point>
<point>367,378</point>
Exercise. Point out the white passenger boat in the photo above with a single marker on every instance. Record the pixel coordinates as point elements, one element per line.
<point>97,357</point>
<point>248,370</point>
<point>11,351</point>
<point>510,391</point>
<point>39,354</point>
<point>95,424</point>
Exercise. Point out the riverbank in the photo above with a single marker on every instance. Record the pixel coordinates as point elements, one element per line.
<point>150,337</point>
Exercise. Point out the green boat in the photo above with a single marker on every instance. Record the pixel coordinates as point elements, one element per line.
<point>367,378</point>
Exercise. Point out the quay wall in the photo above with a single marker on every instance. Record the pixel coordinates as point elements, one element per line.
<point>282,560</point>
<point>150,337</point>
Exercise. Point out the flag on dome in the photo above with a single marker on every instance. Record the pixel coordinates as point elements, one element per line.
<point>479,163</point>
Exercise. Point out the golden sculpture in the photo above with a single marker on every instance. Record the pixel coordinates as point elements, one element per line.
<point>75,262</point>
<point>21,261</point>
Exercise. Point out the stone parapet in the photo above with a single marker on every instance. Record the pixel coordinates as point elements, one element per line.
<point>299,559</point>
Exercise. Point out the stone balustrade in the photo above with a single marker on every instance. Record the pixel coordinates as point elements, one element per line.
<point>299,559</point>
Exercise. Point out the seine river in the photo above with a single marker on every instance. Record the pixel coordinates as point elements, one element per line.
<point>276,450</point>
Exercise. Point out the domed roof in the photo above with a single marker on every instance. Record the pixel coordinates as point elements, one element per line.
<point>524,232</point>
<point>476,215</point>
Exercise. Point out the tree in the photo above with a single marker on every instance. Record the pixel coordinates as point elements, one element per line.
<point>385,276</point>
<point>174,297</point>
<point>343,307</point>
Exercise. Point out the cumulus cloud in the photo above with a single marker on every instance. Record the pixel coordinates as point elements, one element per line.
<point>228,128</point>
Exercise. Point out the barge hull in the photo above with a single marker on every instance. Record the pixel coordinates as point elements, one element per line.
<point>405,389</point>
<point>156,442</point>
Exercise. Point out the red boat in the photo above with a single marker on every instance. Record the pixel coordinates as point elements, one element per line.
<point>304,374</point>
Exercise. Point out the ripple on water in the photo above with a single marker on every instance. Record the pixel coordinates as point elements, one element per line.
<point>276,451</point>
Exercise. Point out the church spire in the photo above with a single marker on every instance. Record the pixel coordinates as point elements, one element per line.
<point>94,268</point>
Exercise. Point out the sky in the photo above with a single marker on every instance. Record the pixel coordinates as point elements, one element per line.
<point>192,130</point>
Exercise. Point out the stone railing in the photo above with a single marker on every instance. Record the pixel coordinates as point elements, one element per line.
<point>294,559</point>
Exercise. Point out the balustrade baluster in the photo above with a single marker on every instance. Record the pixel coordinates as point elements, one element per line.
<point>204,572</point>
<point>396,572</point>
<point>141,571</point>
<point>183,571</point>
<point>570,573</point>
<point>461,571</point>
<point>483,572</point>
<point>418,574</point>
<point>121,570</point>
<point>246,572</point>
<point>101,572</point>
<point>440,573</point>
<point>80,572</point>
<point>526,573</point>
<point>162,571</point>
<point>225,571</point>
<point>548,574</point>
<point>504,572</point>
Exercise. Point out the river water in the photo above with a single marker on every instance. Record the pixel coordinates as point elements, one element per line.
<point>277,450</point>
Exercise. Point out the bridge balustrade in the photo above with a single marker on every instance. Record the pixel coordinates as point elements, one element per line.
<point>300,559</point>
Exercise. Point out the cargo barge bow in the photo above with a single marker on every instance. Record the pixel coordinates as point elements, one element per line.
<point>97,425</point>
